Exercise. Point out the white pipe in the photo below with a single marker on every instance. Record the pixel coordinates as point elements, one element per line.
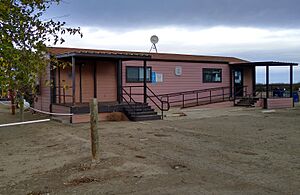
<point>43,112</point>
<point>24,123</point>
<point>8,103</point>
<point>50,113</point>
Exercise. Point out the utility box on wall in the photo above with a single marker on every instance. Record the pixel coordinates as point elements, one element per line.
<point>178,70</point>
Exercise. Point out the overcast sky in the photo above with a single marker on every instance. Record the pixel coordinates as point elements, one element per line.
<point>256,30</point>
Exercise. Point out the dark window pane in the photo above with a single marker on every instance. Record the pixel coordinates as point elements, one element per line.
<point>136,74</point>
<point>212,75</point>
<point>132,74</point>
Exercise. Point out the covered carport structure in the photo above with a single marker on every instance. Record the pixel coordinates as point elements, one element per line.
<point>266,64</point>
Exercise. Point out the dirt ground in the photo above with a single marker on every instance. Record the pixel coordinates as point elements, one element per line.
<point>224,151</point>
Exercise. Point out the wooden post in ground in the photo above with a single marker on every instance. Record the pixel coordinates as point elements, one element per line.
<point>22,107</point>
<point>12,102</point>
<point>94,129</point>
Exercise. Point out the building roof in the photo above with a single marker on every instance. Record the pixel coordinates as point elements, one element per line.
<point>67,52</point>
<point>266,63</point>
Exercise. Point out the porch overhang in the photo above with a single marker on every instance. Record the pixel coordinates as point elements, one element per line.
<point>116,56</point>
<point>265,63</point>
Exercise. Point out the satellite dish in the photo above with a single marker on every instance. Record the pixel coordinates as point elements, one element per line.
<point>154,40</point>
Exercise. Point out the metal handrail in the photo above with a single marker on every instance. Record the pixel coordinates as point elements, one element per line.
<point>263,88</point>
<point>243,89</point>
<point>192,91</point>
<point>162,103</point>
<point>157,97</point>
<point>162,109</point>
<point>197,98</point>
<point>128,103</point>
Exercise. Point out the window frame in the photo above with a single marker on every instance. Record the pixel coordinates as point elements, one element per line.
<point>131,81</point>
<point>211,70</point>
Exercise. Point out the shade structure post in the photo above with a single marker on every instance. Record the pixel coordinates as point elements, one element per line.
<point>73,81</point>
<point>267,80</point>
<point>291,81</point>
<point>254,81</point>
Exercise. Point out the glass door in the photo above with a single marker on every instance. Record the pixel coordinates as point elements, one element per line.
<point>238,83</point>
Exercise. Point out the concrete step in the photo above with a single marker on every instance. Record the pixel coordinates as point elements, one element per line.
<point>247,102</point>
<point>140,112</point>
<point>143,113</point>
<point>146,118</point>
<point>136,106</point>
<point>139,109</point>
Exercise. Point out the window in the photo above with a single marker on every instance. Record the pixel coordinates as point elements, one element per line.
<point>212,75</point>
<point>135,74</point>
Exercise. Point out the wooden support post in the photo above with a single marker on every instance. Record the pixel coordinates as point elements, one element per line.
<point>94,129</point>
<point>254,81</point>
<point>64,95</point>
<point>291,81</point>
<point>230,78</point>
<point>119,81</point>
<point>80,83</point>
<point>52,87</point>
<point>21,103</point>
<point>267,80</point>
<point>73,81</point>
<point>12,101</point>
<point>145,81</point>
<point>59,86</point>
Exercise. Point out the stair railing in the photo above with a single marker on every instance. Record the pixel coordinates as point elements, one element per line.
<point>243,89</point>
<point>160,104</point>
<point>259,93</point>
<point>161,107</point>
<point>133,107</point>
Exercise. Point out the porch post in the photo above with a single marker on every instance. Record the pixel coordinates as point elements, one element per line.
<point>95,80</point>
<point>291,80</point>
<point>230,79</point>
<point>80,82</point>
<point>59,92</point>
<point>73,81</point>
<point>52,88</point>
<point>145,81</point>
<point>119,81</point>
<point>53,75</point>
<point>254,81</point>
<point>267,80</point>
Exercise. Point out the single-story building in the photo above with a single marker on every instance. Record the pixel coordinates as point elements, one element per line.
<point>144,85</point>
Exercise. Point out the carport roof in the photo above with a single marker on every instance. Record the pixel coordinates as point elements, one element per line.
<point>266,63</point>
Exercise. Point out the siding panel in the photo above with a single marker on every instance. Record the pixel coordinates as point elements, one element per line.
<point>191,78</point>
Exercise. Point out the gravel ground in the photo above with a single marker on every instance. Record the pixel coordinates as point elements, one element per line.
<point>208,151</point>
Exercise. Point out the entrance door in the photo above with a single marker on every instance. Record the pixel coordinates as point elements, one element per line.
<point>238,82</point>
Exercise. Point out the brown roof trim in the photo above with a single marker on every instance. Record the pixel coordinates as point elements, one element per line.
<point>266,63</point>
<point>99,55</point>
<point>62,52</point>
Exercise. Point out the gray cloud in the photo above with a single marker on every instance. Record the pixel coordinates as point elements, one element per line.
<point>140,13</point>
<point>118,16</point>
